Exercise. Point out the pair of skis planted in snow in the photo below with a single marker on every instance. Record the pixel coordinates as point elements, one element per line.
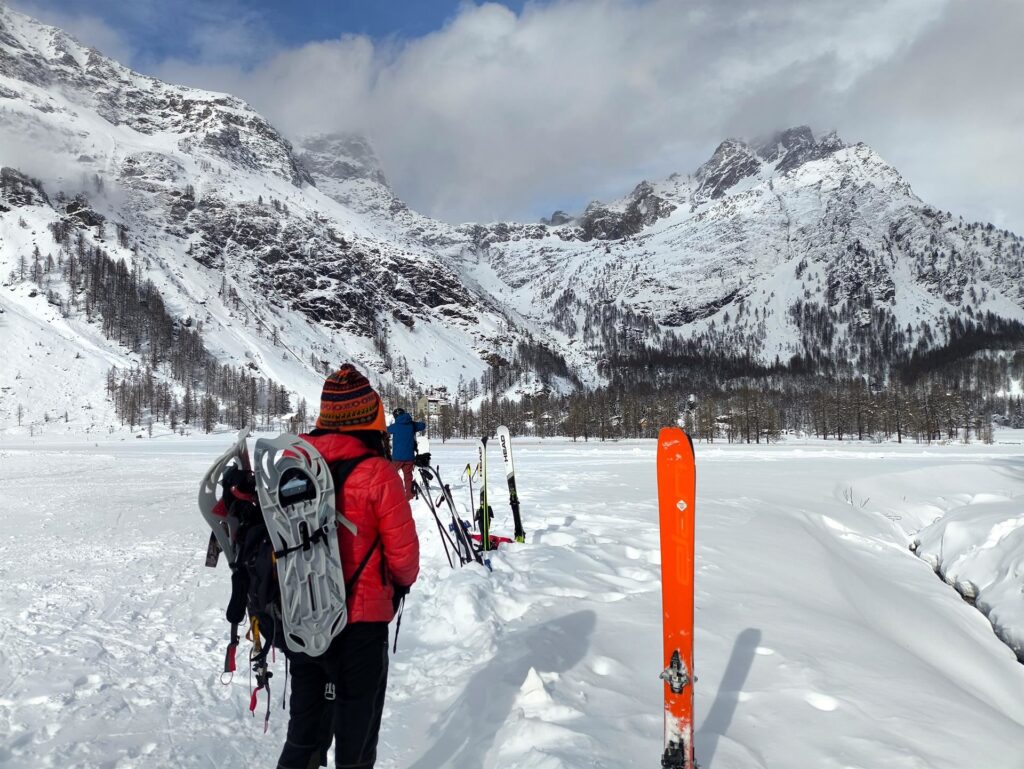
<point>484,512</point>
<point>676,507</point>
<point>456,537</point>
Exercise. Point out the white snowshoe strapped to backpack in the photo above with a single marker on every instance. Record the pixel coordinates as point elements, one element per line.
<point>297,498</point>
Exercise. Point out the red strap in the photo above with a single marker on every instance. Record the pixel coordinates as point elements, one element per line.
<point>229,658</point>
<point>252,707</point>
<point>243,495</point>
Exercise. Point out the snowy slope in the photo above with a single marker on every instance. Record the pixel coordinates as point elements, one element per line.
<point>212,200</point>
<point>733,253</point>
<point>821,640</point>
<point>794,245</point>
<point>837,229</point>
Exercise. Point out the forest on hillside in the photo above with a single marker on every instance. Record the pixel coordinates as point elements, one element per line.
<point>858,375</point>
<point>956,386</point>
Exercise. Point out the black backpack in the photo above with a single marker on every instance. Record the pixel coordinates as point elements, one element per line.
<point>254,589</point>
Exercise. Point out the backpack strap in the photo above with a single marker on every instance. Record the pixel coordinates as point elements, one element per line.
<point>351,584</point>
<point>340,471</point>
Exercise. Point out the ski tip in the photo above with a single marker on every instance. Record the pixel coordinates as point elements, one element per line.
<point>671,437</point>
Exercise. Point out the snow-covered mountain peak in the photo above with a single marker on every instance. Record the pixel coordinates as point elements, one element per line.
<point>199,196</point>
<point>733,168</point>
<point>341,156</point>
<point>781,153</point>
<point>54,73</point>
<point>732,161</point>
<point>789,140</point>
<point>346,168</point>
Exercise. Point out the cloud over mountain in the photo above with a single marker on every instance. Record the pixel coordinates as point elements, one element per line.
<point>501,115</point>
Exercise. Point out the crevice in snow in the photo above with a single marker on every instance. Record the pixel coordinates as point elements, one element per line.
<point>972,595</point>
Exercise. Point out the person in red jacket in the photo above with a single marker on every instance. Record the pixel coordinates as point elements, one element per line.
<point>339,696</point>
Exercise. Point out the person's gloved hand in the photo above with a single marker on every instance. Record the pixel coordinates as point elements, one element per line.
<point>400,592</point>
<point>422,460</point>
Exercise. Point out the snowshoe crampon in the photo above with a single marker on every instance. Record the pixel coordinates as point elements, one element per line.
<point>296,494</point>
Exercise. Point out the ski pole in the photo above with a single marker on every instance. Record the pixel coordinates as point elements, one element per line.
<point>445,539</point>
<point>468,472</point>
<point>458,527</point>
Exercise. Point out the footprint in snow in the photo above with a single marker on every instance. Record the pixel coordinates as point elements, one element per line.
<point>605,666</point>
<point>635,574</point>
<point>821,701</point>
<point>555,538</point>
<point>90,681</point>
<point>635,554</point>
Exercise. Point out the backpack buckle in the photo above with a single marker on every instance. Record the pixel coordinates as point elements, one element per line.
<point>329,692</point>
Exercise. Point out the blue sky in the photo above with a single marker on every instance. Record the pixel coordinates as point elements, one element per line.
<point>159,30</point>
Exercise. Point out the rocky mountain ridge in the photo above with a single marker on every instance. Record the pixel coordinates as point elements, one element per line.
<point>207,199</point>
<point>789,247</point>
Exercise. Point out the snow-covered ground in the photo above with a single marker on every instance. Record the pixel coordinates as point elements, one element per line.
<point>822,641</point>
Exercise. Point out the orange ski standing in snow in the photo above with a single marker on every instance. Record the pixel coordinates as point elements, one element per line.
<point>677,486</point>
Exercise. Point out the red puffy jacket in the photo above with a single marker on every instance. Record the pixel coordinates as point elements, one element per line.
<point>374,500</point>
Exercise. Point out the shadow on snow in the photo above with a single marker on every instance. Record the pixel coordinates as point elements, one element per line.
<point>717,721</point>
<point>465,732</point>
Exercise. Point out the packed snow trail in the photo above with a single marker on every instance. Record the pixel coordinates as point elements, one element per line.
<point>821,641</point>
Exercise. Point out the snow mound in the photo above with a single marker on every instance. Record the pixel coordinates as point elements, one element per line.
<point>979,549</point>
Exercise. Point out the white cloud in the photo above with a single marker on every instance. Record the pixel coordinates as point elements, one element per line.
<point>948,111</point>
<point>498,111</point>
<point>502,115</point>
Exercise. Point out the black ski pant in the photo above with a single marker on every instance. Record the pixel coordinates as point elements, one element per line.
<point>338,696</point>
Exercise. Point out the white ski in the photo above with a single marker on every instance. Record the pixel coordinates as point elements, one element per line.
<point>505,441</point>
<point>484,513</point>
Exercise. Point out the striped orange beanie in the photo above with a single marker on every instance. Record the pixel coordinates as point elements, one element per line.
<point>349,402</point>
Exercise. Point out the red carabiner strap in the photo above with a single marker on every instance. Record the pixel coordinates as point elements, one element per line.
<point>262,682</point>
<point>254,700</point>
<point>229,657</point>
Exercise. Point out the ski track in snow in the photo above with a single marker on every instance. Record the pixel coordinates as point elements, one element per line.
<point>821,641</point>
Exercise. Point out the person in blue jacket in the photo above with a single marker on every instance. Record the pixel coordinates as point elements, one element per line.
<point>403,445</point>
